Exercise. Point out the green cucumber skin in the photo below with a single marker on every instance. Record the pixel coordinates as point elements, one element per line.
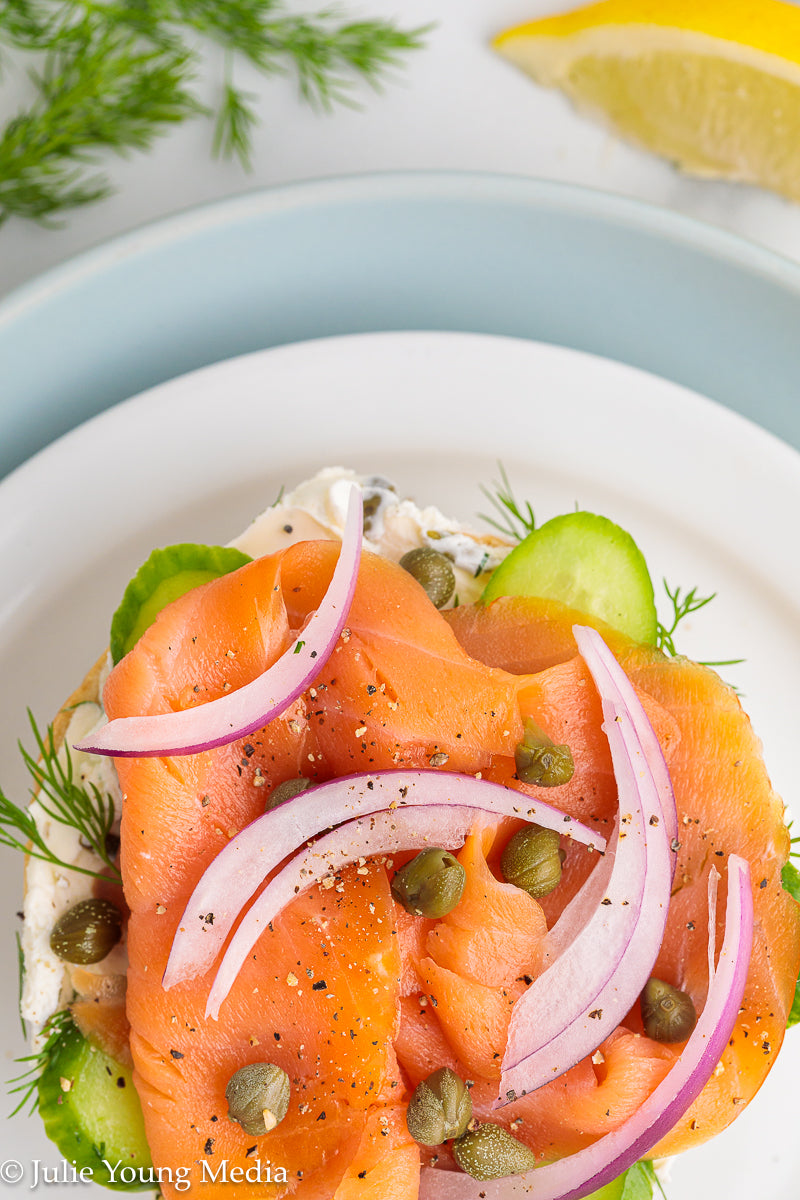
<point>168,573</point>
<point>95,1118</point>
<point>586,562</point>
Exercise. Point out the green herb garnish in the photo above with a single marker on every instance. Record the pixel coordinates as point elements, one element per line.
<point>515,521</point>
<point>27,1082</point>
<point>641,1181</point>
<point>116,75</point>
<point>682,606</point>
<point>637,1183</point>
<point>20,980</point>
<point>64,800</point>
<point>236,119</point>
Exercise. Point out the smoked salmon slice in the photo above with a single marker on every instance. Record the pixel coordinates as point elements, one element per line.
<point>320,996</point>
<point>355,1000</point>
<point>726,804</point>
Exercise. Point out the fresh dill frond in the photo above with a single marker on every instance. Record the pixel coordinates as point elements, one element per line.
<point>118,73</point>
<point>325,55</point>
<point>64,800</point>
<point>26,23</point>
<point>100,89</point>
<point>28,1082</point>
<point>515,521</point>
<point>323,49</point>
<point>682,606</point>
<point>20,980</point>
<point>793,840</point>
<point>236,117</point>
<point>720,662</point>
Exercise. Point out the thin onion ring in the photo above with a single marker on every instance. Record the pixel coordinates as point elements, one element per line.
<point>576,1002</point>
<point>241,712</point>
<point>579,1174</point>
<point>387,832</point>
<point>244,863</point>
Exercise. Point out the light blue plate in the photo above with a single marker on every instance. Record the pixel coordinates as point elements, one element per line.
<point>402,251</point>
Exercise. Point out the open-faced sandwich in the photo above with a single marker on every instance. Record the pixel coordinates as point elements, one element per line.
<point>380,858</point>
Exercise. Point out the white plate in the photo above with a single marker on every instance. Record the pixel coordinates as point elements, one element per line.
<point>711,499</point>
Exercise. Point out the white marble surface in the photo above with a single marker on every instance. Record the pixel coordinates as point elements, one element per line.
<point>456,104</point>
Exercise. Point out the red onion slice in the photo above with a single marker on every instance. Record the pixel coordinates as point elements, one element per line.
<point>713,885</point>
<point>581,908</point>
<point>380,833</point>
<point>242,865</point>
<point>250,707</point>
<point>580,1174</point>
<point>605,661</point>
<point>583,904</point>
<point>576,1002</point>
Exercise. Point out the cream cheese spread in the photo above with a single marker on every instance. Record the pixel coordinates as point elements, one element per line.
<point>392,527</point>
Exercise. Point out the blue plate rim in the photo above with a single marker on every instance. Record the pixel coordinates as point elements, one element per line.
<point>423,184</point>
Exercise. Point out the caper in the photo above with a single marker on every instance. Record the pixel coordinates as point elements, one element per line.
<point>538,760</point>
<point>373,497</point>
<point>532,861</point>
<point>286,791</point>
<point>433,570</point>
<point>87,932</point>
<point>371,502</point>
<point>667,1013</point>
<point>431,884</point>
<point>258,1097</point>
<point>440,1108</point>
<point>490,1152</point>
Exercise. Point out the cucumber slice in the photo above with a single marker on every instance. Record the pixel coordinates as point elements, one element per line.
<point>167,574</point>
<point>586,562</point>
<point>91,1111</point>
<point>639,1182</point>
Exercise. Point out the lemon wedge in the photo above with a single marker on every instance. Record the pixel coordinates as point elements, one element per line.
<point>712,85</point>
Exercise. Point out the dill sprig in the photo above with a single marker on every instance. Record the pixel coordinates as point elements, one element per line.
<point>793,840</point>
<point>514,521</point>
<point>117,75</point>
<point>682,606</point>
<point>57,793</point>
<point>20,979</point>
<point>324,56</point>
<point>27,1082</point>
<point>99,87</point>
<point>236,118</point>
